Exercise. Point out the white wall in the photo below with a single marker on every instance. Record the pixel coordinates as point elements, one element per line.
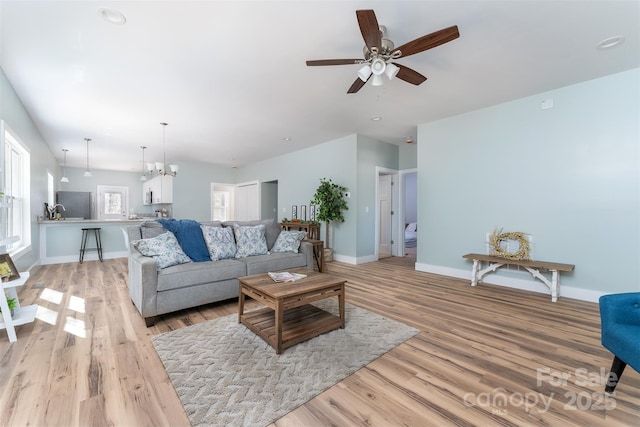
<point>568,175</point>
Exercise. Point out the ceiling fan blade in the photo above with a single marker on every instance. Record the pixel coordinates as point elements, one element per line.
<point>409,75</point>
<point>317,62</point>
<point>356,86</point>
<point>369,28</point>
<point>429,41</point>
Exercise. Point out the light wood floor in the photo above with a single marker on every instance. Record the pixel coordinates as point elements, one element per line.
<point>88,359</point>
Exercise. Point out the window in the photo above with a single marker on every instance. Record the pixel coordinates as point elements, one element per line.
<point>15,210</point>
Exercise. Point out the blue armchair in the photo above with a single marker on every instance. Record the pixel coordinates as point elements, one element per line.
<point>620,323</point>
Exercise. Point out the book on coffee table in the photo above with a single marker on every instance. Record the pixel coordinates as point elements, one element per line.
<point>285,276</point>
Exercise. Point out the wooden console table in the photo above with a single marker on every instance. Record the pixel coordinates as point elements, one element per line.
<point>532,267</point>
<point>318,252</point>
<point>312,229</point>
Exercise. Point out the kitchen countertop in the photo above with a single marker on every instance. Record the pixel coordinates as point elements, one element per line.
<point>90,221</point>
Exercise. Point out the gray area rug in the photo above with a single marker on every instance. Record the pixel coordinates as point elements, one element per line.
<point>226,375</point>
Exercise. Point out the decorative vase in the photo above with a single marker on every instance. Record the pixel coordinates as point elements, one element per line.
<point>328,254</point>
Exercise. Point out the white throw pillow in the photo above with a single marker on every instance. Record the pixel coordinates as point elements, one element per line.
<point>164,249</point>
<point>288,241</point>
<point>219,241</point>
<point>250,240</point>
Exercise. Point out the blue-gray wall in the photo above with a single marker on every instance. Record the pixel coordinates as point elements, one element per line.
<point>568,175</point>
<point>42,161</point>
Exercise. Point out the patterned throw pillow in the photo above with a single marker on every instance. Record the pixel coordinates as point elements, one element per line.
<point>288,241</point>
<point>220,242</point>
<point>250,241</point>
<point>164,249</point>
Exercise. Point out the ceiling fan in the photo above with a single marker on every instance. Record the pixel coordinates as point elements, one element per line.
<point>379,53</point>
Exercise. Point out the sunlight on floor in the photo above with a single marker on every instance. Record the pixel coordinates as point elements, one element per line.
<point>52,296</point>
<point>75,327</point>
<point>76,304</point>
<point>47,315</point>
<point>72,325</point>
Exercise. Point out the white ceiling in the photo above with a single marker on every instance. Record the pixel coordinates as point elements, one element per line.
<point>230,76</point>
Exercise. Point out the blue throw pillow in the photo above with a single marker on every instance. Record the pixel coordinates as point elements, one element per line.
<point>189,235</point>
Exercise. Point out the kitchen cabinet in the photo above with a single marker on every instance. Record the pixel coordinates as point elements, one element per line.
<point>158,190</point>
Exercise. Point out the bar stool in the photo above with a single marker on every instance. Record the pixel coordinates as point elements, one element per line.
<point>83,247</point>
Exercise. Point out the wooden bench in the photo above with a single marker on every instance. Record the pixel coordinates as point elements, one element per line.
<point>533,267</point>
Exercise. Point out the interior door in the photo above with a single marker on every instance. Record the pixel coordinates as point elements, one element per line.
<point>385,209</point>
<point>113,202</point>
<point>247,206</point>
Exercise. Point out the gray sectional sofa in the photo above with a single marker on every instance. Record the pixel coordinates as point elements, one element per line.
<point>158,291</point>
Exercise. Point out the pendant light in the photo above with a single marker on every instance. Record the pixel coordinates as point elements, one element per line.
<point>64,176</point>
<point>161,166</point>
<point>87,172</point>
<point>143,177</point>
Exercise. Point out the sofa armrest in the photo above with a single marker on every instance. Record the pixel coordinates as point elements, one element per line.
<point>143,282</point>
<point>306,248</point>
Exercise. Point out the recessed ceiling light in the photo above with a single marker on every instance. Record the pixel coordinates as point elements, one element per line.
<point>286,138</point>
<point>112,16</point>
<point>610,42</point>
<point>376,118</point>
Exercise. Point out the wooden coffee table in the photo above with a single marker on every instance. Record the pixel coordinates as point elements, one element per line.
<point>289,318</point>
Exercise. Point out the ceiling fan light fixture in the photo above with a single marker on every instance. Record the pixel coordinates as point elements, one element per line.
<point>391,71</point>
<point>364,73</point>
<point>378,66</point>
<point>377,80</point>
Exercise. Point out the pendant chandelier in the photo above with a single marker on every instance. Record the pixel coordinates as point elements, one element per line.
<point>64,176</point>
<point>87,172</point>
<point>160,166</point>
<point>143,177</point>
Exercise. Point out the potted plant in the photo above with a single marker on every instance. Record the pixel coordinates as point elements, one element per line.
<point>330,201</point>
<point>11,302</point>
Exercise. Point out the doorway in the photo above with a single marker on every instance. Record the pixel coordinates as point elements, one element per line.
<point>387,229</point>
<point>222,201</point>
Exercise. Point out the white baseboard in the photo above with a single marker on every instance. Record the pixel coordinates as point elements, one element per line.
<point>88,257</point>
<point>354,260</point>
<point>512,282</point>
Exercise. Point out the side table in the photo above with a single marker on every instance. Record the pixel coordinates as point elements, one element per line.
<point>21,315</point>
<point>318,252</point>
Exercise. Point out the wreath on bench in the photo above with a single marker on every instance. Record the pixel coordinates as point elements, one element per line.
<point>497,237</point>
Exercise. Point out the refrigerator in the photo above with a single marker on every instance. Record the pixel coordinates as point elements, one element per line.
<point>77,204</point>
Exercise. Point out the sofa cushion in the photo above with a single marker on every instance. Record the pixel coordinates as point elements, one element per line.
<point>271,228</point>
<point>196,273</point>
<point>220,242</point>
<point>250,240</point>
<point>211,223</point>
<point>151,228</point>
<point>273,262</point>
<point>164,249</point>
<point>288,241</point>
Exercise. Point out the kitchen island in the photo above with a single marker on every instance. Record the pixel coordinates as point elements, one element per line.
<point>60,239</point>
